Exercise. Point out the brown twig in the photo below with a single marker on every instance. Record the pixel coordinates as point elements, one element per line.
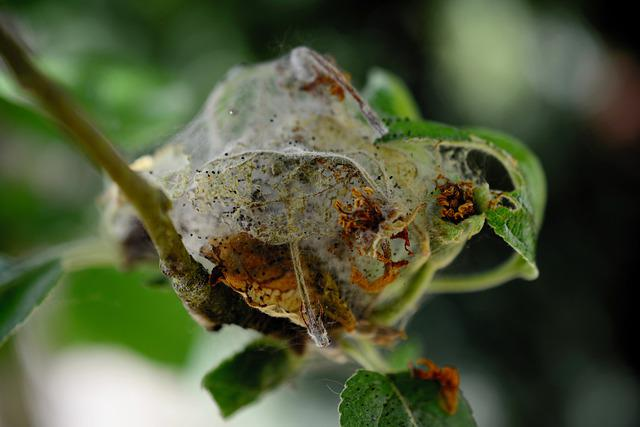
<point>212,306</point>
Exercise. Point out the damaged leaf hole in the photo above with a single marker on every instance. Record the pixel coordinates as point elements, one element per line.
<point>490,169</point>
<point>505,201</point>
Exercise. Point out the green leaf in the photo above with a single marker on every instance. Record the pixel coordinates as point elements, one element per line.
<point>426,129</point>
<point>516,226</point>
<point>242,379</point>
<point>23,286</point>
<point>372,398</point>
<point>388,95</point>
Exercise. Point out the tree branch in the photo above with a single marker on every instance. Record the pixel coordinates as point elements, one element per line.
<point>212,306</point>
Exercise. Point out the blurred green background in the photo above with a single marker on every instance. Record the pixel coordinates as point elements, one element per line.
<point>564,77</point>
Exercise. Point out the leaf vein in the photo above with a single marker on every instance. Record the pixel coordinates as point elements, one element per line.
<point>405,405</point>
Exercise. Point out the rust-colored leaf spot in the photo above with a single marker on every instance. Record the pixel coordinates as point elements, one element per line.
<point>448,378</point>
<point>364,214</point>
<point>456,200</point>
<point>391,271</point>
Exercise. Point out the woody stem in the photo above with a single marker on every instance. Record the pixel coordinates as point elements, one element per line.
<point>211,305</point>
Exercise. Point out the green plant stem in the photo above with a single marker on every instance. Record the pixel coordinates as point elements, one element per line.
<point>364,353</point>
<point>513,268</point>
<point>79,254</point>
<point>373,354</point>
<point>88,253</point>
<point>423,281</point>
<point>211,306</point>
<point>413,291</point>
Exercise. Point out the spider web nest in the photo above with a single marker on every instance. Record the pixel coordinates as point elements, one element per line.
<point>276,149</point>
